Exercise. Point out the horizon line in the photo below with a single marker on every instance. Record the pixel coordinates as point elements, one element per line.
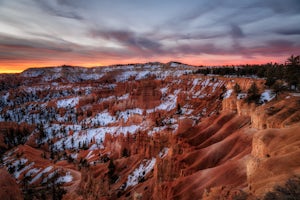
<point>17,71</point>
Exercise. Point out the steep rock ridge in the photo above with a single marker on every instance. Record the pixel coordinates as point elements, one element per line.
<point>146,131</point>
<point>273,158</point>
<point>275,114</point>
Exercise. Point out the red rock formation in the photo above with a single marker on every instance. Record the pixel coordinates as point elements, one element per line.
<point>185,137</point>
<point>9,189</point>
<point>273,158</point>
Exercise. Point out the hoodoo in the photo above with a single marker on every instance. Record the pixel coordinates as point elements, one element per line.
<point>145,131</point>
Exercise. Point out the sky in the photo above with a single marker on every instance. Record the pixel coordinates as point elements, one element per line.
<point>35,33</point>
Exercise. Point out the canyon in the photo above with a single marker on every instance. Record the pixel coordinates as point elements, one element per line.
<point>143,131</point>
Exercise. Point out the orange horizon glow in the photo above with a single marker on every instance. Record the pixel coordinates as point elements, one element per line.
<point>209,60</point>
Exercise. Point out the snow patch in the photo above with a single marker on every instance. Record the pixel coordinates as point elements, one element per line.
<point>267,96</point>
<point>127,113</point>
<point>30,73</point>
<point>32,171</point>
<point>101,119</point>
<point>123,97</point>
<point>186,111</point>
<point>164,90</point>
<point>241,95</point>
<point>65,179</point>
<point>65,103</point>
<point>169,103</point>
<point>227,94</point>
<point>91,76</point>
<point>125,76</point>
<point>139,173</point>
<point>163,152</point>
<point>90,155</point>
<point>39,175</point>
<point>159,129</point>
<point>80,138</point>
<point>18,173</point>
<point>142,75</point>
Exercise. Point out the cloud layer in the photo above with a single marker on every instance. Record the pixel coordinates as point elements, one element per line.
<point>95,32</point>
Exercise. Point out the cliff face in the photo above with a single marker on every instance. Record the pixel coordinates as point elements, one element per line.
<point>153,131</point>
<point>273,158</point>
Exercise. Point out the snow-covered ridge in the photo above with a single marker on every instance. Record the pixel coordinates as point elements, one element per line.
<point>78,74</point>
<point>32,72</point>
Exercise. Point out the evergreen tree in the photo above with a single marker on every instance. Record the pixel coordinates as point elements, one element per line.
<point>270,81</point>
<point>237,88</point>
<point>111,172</point>
<point>125,153</point>
<point>293,71</point>
<point>291,190</point>
<point>111,167</point>
<point>253,94</point>
<point>179,111</point>
<point>277,87</point>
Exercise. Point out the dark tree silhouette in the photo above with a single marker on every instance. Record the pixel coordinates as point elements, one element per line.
<point>253,94</point>
<point>237,88</point>
<point>293,71</point>
<point>290,191</point>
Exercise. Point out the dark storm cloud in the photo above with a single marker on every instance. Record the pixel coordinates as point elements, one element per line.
<point>286,6</point>
<point>236,31</point>
<point>14,48</point>
<point>200,9</point>
<point>238,13</point>
<point>267,48</point>
<point>198,49</point>
<point>280,43</point>
<point>290,31</point>
<point>223,12</point>
<point>128,38</point>
<point>197,35</point>
<point>15,43</point>
<point>66,2</point>
<point>277,6</point>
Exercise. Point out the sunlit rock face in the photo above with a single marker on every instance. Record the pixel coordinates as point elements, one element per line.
<point>145,131</point>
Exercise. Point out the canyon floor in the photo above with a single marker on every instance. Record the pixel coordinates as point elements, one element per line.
<point>144,131</point>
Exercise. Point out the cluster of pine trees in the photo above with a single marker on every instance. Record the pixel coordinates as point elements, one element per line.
<point>289,72</point>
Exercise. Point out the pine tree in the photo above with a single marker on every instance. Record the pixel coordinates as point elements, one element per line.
<point>111,167</point>
<point>293,71</point>
<point>237,88</point>
<point>111,172</point>
<point>277,87</point>
<point>179,111</point>
<point>253,94</point>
